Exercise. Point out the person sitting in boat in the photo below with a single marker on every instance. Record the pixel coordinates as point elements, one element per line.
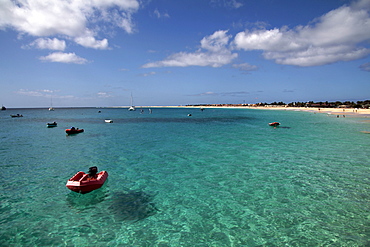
<point>93,171</point>
<point>73,128</point>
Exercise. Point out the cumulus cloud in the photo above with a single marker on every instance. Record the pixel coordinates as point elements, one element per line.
<point>50,44</point>
<point>64,58</point>
<point>89,41</point>
<point>213,52</point>
<point>73,19</point>
<point>335,36</point>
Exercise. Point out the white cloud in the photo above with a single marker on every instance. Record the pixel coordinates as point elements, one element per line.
<point>104,95</point>
<point>234,4</point>
<point>51,44</point>
<point>365,67</point>
<point>233,94</point>
<point>160,15</point>
<point>227,3</point>
<point>205,94</point>
<point>73,18</point>
<point>216,54</point>
<point>64,58</point>
<point>267,40</point>
<point>335,36</point>
<point>245,67</point>
<point>30,93</point>
<point>148,74</point>
<point>44,93</point>
<point>315,56</point>
<point>89,41</point>
<point>216,42</point>
<point>48,91</point>
<point>36,93</point>
<point>183,59</point>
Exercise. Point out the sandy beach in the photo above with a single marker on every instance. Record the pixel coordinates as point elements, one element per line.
<point>350,112</point>
<point>334,111</point>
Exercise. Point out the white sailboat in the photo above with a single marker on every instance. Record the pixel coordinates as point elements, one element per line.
<point>51,105</point>
<point>132,107</point>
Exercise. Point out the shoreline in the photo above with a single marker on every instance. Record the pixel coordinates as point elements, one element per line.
<point>331,111</point>
<point>350,112</point>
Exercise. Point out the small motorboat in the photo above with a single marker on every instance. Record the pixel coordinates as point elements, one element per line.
<point>51,125</point>
<point>108,120</point>
<point>274,124</point>
<point>86,182</point>
<point>74,130</point>
<point>17,115</point>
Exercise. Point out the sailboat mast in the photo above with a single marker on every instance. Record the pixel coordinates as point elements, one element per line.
<point>132,107</point>
<point>51,104</point>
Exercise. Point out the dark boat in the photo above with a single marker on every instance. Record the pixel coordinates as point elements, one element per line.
<point>51,125</point>
<point>74,130</point>
<point>3,108</point>
<point>86,182</point>
<point>17,115</point>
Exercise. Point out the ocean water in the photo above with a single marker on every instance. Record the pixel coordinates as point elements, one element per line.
<point>221,177</point>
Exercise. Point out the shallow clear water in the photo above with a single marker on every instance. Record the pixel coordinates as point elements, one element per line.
<point>221,177</point>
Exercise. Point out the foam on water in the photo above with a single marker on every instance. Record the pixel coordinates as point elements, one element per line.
<point>221,177</point>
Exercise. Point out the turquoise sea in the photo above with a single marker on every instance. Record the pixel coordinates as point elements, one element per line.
<point>221,177</point>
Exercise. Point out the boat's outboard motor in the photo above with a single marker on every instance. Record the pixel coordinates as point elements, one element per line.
<point>93,171</point>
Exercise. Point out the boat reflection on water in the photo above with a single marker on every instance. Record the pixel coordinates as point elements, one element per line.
<point>86,201</point>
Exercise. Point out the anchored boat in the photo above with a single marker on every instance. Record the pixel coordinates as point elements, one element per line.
<point>73,130</point>
<point>51,125</point>
<point>86,182</point>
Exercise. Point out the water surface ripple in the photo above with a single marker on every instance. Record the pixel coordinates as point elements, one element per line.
<point>221,177</point>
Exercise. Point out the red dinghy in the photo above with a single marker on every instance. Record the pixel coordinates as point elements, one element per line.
<point>73,130</point>
<point>274,124</point>
<point>86,182</point>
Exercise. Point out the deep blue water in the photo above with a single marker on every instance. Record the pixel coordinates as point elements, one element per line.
<point>221,177</point>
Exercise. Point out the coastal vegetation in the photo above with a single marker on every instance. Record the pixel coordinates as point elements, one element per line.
<point>337,104</point>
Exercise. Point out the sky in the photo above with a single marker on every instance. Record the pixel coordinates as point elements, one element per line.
<point>74,53</point>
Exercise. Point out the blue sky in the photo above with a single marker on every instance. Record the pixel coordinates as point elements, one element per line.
<point>174,52</point>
